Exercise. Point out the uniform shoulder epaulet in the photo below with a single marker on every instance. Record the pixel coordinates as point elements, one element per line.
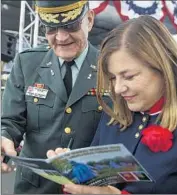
<point>41,48</point>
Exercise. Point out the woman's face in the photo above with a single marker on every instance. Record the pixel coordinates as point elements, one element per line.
<point>139,85</point>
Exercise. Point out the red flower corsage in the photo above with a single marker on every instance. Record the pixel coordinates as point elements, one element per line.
<point>157,138</point>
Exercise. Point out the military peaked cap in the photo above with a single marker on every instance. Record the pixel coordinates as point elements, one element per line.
<point>61,12</point>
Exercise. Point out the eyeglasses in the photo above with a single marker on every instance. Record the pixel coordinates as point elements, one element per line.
<point>74,27</point>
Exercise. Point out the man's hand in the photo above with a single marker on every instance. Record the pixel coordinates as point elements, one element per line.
<point>7,146</point>
<point>52,153</point>
<point>81,189</point>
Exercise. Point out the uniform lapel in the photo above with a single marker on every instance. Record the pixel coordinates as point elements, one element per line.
<point>86,78</point>
<point>51,75</point>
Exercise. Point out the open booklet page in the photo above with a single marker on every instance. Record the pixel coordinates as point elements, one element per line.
<point>99,165</point>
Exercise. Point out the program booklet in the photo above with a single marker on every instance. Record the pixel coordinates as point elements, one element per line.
<point>97,165</point>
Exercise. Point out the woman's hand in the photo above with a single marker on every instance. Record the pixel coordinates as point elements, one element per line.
<point>81,189</point>
<point>52,153</point>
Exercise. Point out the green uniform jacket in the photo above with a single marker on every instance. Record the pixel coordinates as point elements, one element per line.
<point>47,122</point>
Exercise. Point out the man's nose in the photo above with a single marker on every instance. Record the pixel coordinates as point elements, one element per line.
<point>62,35</point>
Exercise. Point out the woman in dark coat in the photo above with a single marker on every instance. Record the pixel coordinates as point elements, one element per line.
<point>138,63</point>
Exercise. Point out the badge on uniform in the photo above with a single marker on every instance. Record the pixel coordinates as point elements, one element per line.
<point>93,67</point>
<point>37,91</point>
<point>103,92</point>
<point>39,85</point>
<point>92,92</point>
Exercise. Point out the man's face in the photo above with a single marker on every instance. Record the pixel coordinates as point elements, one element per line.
<point>69,45</point>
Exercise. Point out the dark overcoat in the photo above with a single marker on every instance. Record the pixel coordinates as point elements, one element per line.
<point>162,166</point>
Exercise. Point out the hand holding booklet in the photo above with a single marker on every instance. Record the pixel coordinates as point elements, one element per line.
<point>98,165</point>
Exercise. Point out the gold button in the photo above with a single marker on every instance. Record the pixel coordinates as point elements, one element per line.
<point>140,127</point>
<point>144,119</point>
<point>137,135</point>
<point>67,130</point>
<point>36,100</point>
<point>68,110</point>
<point>100,108</point>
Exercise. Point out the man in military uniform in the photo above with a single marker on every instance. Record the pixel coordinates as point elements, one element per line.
<point>50,94</point>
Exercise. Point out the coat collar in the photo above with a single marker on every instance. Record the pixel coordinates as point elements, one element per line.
<point>86,78</point>
<point>156,108</point>
<point>50,74</point>
<point>78,61</point>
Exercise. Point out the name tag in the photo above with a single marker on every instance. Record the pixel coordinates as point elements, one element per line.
<point>37,92</point>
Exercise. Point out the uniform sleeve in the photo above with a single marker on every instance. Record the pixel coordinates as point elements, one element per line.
<point>13,120</point>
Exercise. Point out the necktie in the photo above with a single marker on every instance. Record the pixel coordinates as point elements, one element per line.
<point>68,77</point>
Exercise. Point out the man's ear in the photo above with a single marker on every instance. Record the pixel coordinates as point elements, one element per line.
<point>91,16</point>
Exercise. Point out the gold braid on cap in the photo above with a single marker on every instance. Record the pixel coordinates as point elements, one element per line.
<point>71,15</point>
<point>61,8</point>
<point>50,17</point>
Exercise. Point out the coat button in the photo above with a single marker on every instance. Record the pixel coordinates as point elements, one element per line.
<point>68,110</point>
<point>67,130</point>
<point>100,108</point>
<point>144,119</point>
<point>137,135</point>
<point>35,100</point>
<point>140,127</point>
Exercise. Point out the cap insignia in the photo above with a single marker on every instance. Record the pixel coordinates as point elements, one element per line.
<point>49,17</point>
<point>71,15</point>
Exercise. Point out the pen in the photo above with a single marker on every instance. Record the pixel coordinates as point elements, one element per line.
<point>6,158</point>
<point>70,143</point>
